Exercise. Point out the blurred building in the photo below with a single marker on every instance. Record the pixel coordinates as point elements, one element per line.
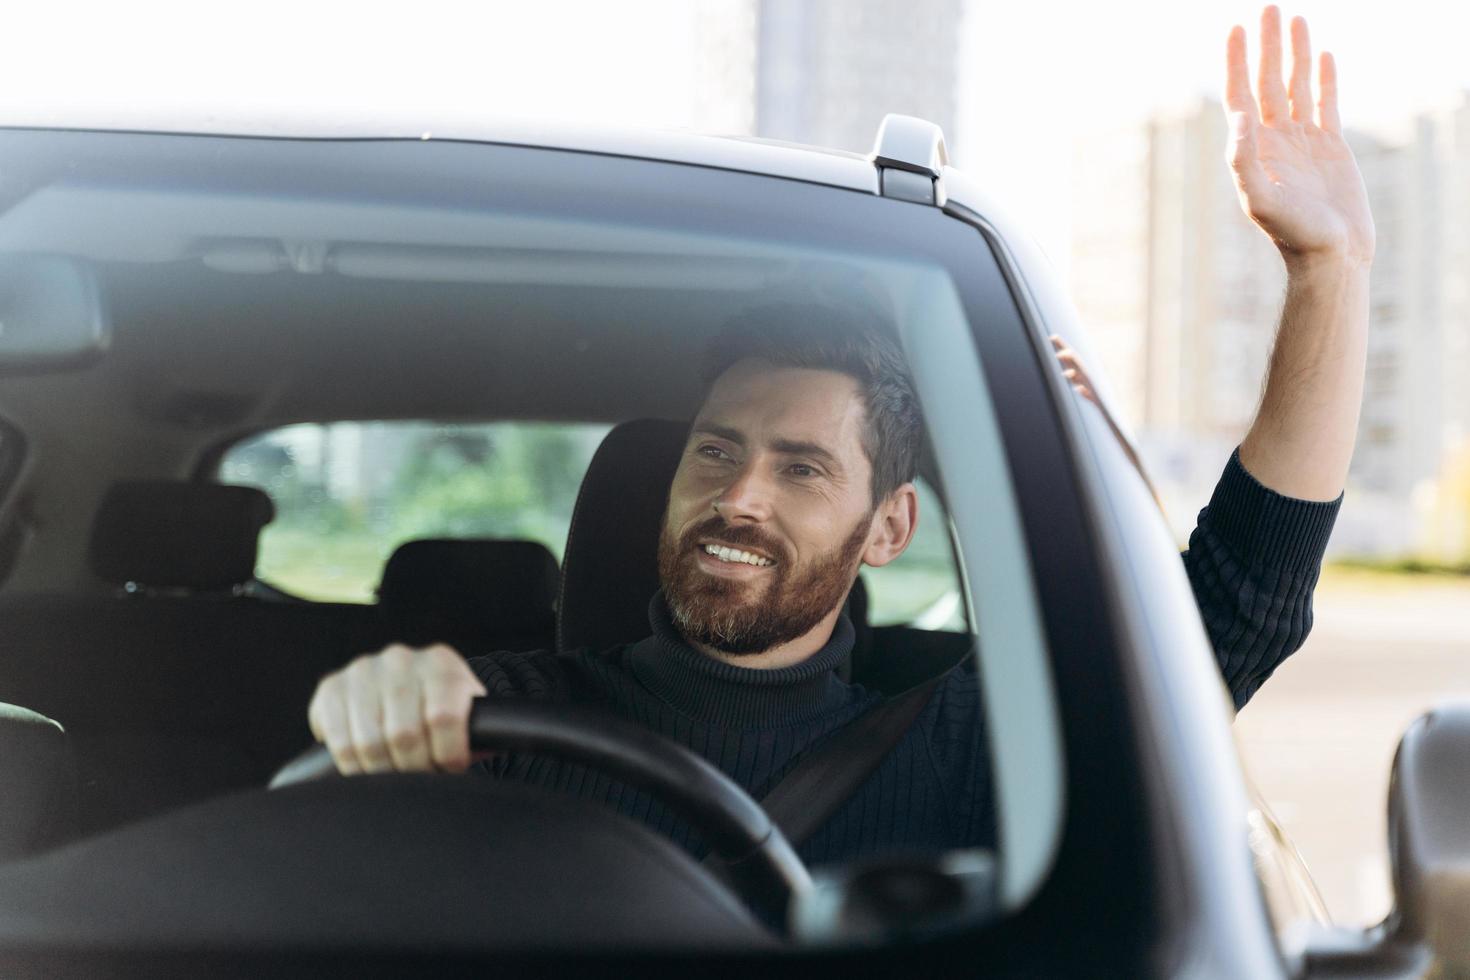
<point>1440,344</point>
<point>1177,286</point>
<point>825,72</point>
<point>1181,293</point>
<point>725,38</point>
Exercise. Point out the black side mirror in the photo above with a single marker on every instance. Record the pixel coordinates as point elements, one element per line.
<point>1429,837</point>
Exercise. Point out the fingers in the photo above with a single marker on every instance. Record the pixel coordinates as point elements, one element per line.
<point>1279,103</point>
<point>1073,370</point>
<point>1065,355</point>
<point>365,716</point>
<point>1081,384</point>
<point>1238,97</point>
<point>403,719</point>
<point>447,701</point>
<point>399,710</point>
<point>328,717</point>
<point>1327,116</point>
<point>1300,86</point>
<point>1272,94</point>
<point>1240,105</point>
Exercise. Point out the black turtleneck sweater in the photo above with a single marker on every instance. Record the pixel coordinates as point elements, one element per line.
<point>1253,562</point>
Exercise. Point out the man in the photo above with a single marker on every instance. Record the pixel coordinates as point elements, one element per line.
<point>798,470</point>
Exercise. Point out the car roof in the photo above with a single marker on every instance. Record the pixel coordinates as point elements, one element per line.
<point>814,164</point>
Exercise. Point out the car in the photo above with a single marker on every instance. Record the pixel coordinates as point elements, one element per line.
<point>209,326</point>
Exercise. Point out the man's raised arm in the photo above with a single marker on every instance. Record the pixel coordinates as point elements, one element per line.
<point>1297,180</point>
<point>1254,557</point>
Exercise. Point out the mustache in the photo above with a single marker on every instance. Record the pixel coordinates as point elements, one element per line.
<point>740,535</point>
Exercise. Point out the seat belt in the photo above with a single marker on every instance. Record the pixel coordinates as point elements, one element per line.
<point>828,776</point>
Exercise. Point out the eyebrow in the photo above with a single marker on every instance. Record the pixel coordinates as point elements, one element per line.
<point>721,432</point>
<point>790,447</point>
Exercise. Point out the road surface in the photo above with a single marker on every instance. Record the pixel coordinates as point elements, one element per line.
<point>1319,737</point>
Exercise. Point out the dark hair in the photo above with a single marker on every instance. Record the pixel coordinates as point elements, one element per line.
<point>852,342</point>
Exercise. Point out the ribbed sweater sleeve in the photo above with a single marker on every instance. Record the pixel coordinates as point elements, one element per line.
<point>1253,561</point>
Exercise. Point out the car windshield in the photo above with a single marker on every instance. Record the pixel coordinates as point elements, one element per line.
<point>355,395</point>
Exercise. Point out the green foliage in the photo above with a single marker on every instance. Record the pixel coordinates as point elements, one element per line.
<point>342,566</point>
<point>495,481</point>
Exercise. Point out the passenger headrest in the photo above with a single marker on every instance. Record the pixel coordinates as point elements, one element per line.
<point>166,534</point>
<point>508,584</point>
<point>610,569</point>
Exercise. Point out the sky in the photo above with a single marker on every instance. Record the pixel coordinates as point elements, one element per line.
<point>615,62</point>
<point>1033,75</point>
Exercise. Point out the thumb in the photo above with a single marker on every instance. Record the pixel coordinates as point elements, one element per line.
<point>1245,164</point>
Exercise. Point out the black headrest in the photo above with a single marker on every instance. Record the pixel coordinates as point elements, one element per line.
<point>167,534</point>
<point>610,569</point>
<point>509,585</point>
<point>38,806</point>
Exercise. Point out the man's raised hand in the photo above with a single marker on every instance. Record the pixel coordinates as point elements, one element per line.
<point>400,710</point>
<point>1294,173</point>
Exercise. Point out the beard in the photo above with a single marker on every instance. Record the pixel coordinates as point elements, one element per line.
<point>717,612</point>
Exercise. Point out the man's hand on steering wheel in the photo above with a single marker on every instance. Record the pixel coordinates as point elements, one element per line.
<point>398,710</point>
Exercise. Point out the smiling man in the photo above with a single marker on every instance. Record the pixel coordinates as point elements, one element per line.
<point>779,500</point>
<point>798,471</point>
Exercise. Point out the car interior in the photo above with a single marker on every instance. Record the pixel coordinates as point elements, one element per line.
<point>181,684</point>
<point>153,671</point>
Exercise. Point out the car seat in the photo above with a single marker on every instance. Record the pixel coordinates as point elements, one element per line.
<point>477,595</point>
<point>38,783</point>
<point>177,685</point>
<point>151,534</point>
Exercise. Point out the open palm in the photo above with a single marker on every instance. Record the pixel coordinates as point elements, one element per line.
<point>1295,175</point>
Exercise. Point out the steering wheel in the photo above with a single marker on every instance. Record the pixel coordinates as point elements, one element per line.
<point>758,861</point>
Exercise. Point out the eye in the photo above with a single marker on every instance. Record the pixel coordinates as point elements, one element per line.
<point>712,452</point>
<point>801,469</point>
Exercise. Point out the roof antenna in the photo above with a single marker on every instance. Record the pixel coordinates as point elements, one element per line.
<point>910,156</point>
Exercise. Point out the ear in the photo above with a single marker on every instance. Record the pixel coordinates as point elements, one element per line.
<point>893,526</point>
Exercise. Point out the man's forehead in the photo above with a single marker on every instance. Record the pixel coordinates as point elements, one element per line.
<point>807,403</point>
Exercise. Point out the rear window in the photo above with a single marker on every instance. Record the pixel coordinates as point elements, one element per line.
<point>348,493</point>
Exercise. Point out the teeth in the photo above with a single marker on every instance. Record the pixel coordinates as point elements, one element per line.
<point>732,554</point>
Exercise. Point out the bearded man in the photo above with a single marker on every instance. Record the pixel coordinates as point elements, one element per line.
<point>798,470</point>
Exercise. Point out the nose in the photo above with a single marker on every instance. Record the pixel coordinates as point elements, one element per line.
<point>747,498</point>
